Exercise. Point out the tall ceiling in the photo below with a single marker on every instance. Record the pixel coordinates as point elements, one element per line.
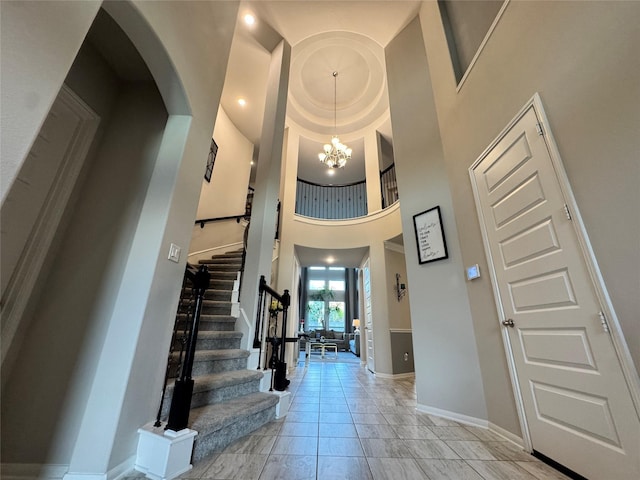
<point>347,37</point>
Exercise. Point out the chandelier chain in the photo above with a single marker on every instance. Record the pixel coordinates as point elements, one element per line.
<point>335,103</point>
<point>335,154</point>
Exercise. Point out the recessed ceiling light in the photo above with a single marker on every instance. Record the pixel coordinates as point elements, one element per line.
<point>331,171</point>
<point>330,259</point>
<point>249,19</point>
<point>242,102</point>
<point>251,162</point>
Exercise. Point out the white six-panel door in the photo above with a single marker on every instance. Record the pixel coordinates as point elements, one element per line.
<point>577,404</point>
<point>368,318</point>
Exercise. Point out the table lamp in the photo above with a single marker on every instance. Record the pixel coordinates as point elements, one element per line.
<point>356,325</point>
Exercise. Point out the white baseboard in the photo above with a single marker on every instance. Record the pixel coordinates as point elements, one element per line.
<point>396,376</point>
<point>121,471</point>
<point>24,471</point>
<point>226,247</point>
<point>511,437</point>
<point>85,476</point>
<point>474,422</point>
<point>458,417</point>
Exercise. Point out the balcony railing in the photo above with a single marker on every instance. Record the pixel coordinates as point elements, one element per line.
<point>389,186</point>
<point>331,202</point>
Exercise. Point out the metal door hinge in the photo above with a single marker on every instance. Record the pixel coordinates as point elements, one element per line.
<point>567,212</point>
<point>603,322</point>
<point>539,129</point>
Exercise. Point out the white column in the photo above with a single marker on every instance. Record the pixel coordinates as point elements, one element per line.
<point>372,165</point>
<point>286,261</point>
<point>262,228</point>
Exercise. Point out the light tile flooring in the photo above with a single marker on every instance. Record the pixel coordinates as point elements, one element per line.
<point>345,423</point>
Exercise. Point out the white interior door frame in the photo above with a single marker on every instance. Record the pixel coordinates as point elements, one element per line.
<point>617,336</point>
<point>25,275</point>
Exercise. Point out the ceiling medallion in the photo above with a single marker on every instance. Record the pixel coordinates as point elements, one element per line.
<point>335,154</point>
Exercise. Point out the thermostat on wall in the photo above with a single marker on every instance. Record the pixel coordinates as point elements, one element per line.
<point>473,272</point>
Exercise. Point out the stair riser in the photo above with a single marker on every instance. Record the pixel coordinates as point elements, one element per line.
<point>223,275</point>
<point>221,295</point>
<point>215,395</point>
<point>225,393</point>
<point>217,343</point>
<point>211,344</point>
<point>221,284</point>
<point>218,295</point>
<point>217,326</point>
<point>216,366</point>
<point>224,266</point>
<point>236,255</point>
<point>220,439</point>
<point>213,325</point>
<point>216,308</point>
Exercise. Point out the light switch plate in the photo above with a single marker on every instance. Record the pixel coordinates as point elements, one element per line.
<point>174,253</point>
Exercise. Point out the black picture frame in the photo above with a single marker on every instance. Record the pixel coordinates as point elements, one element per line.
<point>211,159</point>
<point>430,239</point>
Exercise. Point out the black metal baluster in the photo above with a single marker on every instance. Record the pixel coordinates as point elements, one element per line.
<point>183,389</point>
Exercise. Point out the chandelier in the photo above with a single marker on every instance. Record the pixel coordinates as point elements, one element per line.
<point>335,154</point>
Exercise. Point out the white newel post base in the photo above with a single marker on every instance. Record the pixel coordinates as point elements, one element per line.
<point>282,407</point>
<point>164,454</point>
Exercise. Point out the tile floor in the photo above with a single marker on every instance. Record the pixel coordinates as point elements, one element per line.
<point>345,423</point>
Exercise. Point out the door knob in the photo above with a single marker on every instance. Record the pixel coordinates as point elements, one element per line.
<point>508,323</point>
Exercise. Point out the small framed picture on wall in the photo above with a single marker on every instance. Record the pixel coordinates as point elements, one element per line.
<point>430,236</point>
<point>213,151</point>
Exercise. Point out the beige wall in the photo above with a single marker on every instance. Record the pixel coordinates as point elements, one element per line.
<point>224,195</point>
<point>582,58</point>
<point>448,375</point>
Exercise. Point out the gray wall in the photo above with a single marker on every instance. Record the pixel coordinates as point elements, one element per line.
<point>446,357</point>
<point>401,345</point>
<point>73,311</point>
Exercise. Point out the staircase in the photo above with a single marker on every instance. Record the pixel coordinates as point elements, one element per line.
<point>226,402</point>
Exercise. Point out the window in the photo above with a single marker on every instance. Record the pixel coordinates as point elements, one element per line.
<point>466,25</point>
<point>315,315</point>
<point>316,284</point>
<point>326,299</point>
<point>336,316</point>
